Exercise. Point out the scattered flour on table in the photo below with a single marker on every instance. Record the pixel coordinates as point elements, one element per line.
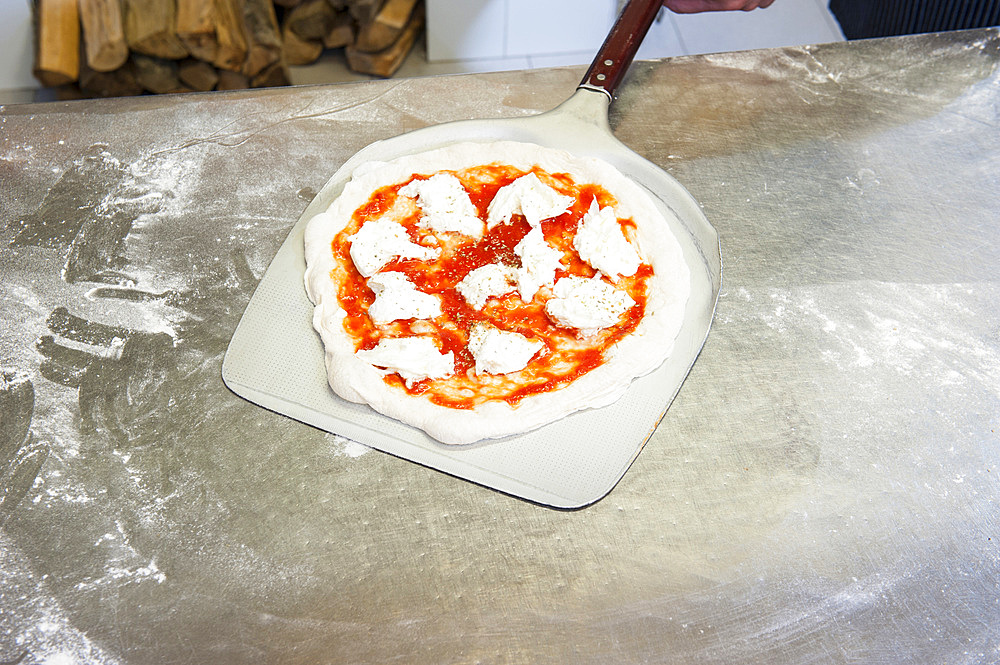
<point>35,627</point>
<point>346,447</point>
<point>914,330</point>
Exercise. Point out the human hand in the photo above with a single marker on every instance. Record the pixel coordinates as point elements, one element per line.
<point>696,6</point>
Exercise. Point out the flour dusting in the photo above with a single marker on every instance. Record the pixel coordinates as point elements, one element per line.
<point>42,633</point>
<point>347,447</point>
<point>928,331</point>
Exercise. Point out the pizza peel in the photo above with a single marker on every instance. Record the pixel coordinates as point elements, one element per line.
<point>275,358</point>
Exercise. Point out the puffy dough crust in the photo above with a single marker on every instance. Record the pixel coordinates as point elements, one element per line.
<point>636,355</point>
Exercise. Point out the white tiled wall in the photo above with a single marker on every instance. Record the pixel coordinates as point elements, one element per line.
<point>560,32</point>
<point>785,23</point>
<point>563,26</point>
<point>470,29</point>
<point>15,45</point>
<point>466,30</point>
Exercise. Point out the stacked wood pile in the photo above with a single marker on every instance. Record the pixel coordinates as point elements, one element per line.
<point>101,48</point>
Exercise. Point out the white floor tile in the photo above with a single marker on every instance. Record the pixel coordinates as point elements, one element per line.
<point>330,68</point>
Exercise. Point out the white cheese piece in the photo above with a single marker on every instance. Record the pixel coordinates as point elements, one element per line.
<point>445,205</point>
<point>499,351</point>
<point>526,196</point>
<point>589,305</point>
<point>600,242</point>
<point>494,279</point>
<point>539,262</point>
<point>396,297</point>
<point>413,358</point>
<point>379,241</point>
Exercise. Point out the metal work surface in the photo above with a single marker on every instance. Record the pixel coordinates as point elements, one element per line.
<point>822,490</point>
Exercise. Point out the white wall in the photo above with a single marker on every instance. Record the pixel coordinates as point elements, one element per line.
<point>16,45</point>
<point>483,29</point>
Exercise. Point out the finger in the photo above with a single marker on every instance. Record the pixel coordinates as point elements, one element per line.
<point>697,6</point>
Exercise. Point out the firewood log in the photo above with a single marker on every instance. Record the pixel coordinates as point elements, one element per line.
<point>263,36</point>
<point>230,34</point>
<point>151,28</point>
<point>364,11</point>
<point>157,75</point>
<point>197,74</point>
<point>386,61</point>
<point>103,34</point>
<point>387,26</point>
<point>341,32</point>
<point>311,19</point>
<point>230,80</point>
<point>196,28</point>
<point>274,75</point>
<point>118,83</point>
<point>57,41</point>
<point>298,51</point>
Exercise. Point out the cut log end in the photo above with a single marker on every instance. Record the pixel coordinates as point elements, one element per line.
<point>386,61</point>
<point>125,47</point>
<point>57,42</point>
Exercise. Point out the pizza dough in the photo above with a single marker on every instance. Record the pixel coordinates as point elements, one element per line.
<point>361,377</point>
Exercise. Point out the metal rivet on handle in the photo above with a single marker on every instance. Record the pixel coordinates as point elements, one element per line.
<point>601,77</point>
<point>609,62</point>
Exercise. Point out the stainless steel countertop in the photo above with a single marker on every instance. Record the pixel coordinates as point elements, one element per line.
<point>823,489</point>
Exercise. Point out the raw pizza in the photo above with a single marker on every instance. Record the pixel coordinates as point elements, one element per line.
<point>486,289</point>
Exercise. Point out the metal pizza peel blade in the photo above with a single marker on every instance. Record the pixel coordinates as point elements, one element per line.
<point>275,357</point>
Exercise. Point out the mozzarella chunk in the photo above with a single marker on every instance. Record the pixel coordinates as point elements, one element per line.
<point>380,241</point>
<point>526,196</point>
<point>413,358</point>
<point>494,279</point>
<point>499,351</point>
<point>539,262</point>
<point>600,242</point>
<point>589,305</point>
<point>445,205</point>
<point>396,297</point>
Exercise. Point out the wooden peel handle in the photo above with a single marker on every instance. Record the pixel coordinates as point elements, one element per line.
<point>621,45</point>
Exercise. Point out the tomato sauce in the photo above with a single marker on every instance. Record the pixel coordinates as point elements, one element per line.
<point>565,358</point>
